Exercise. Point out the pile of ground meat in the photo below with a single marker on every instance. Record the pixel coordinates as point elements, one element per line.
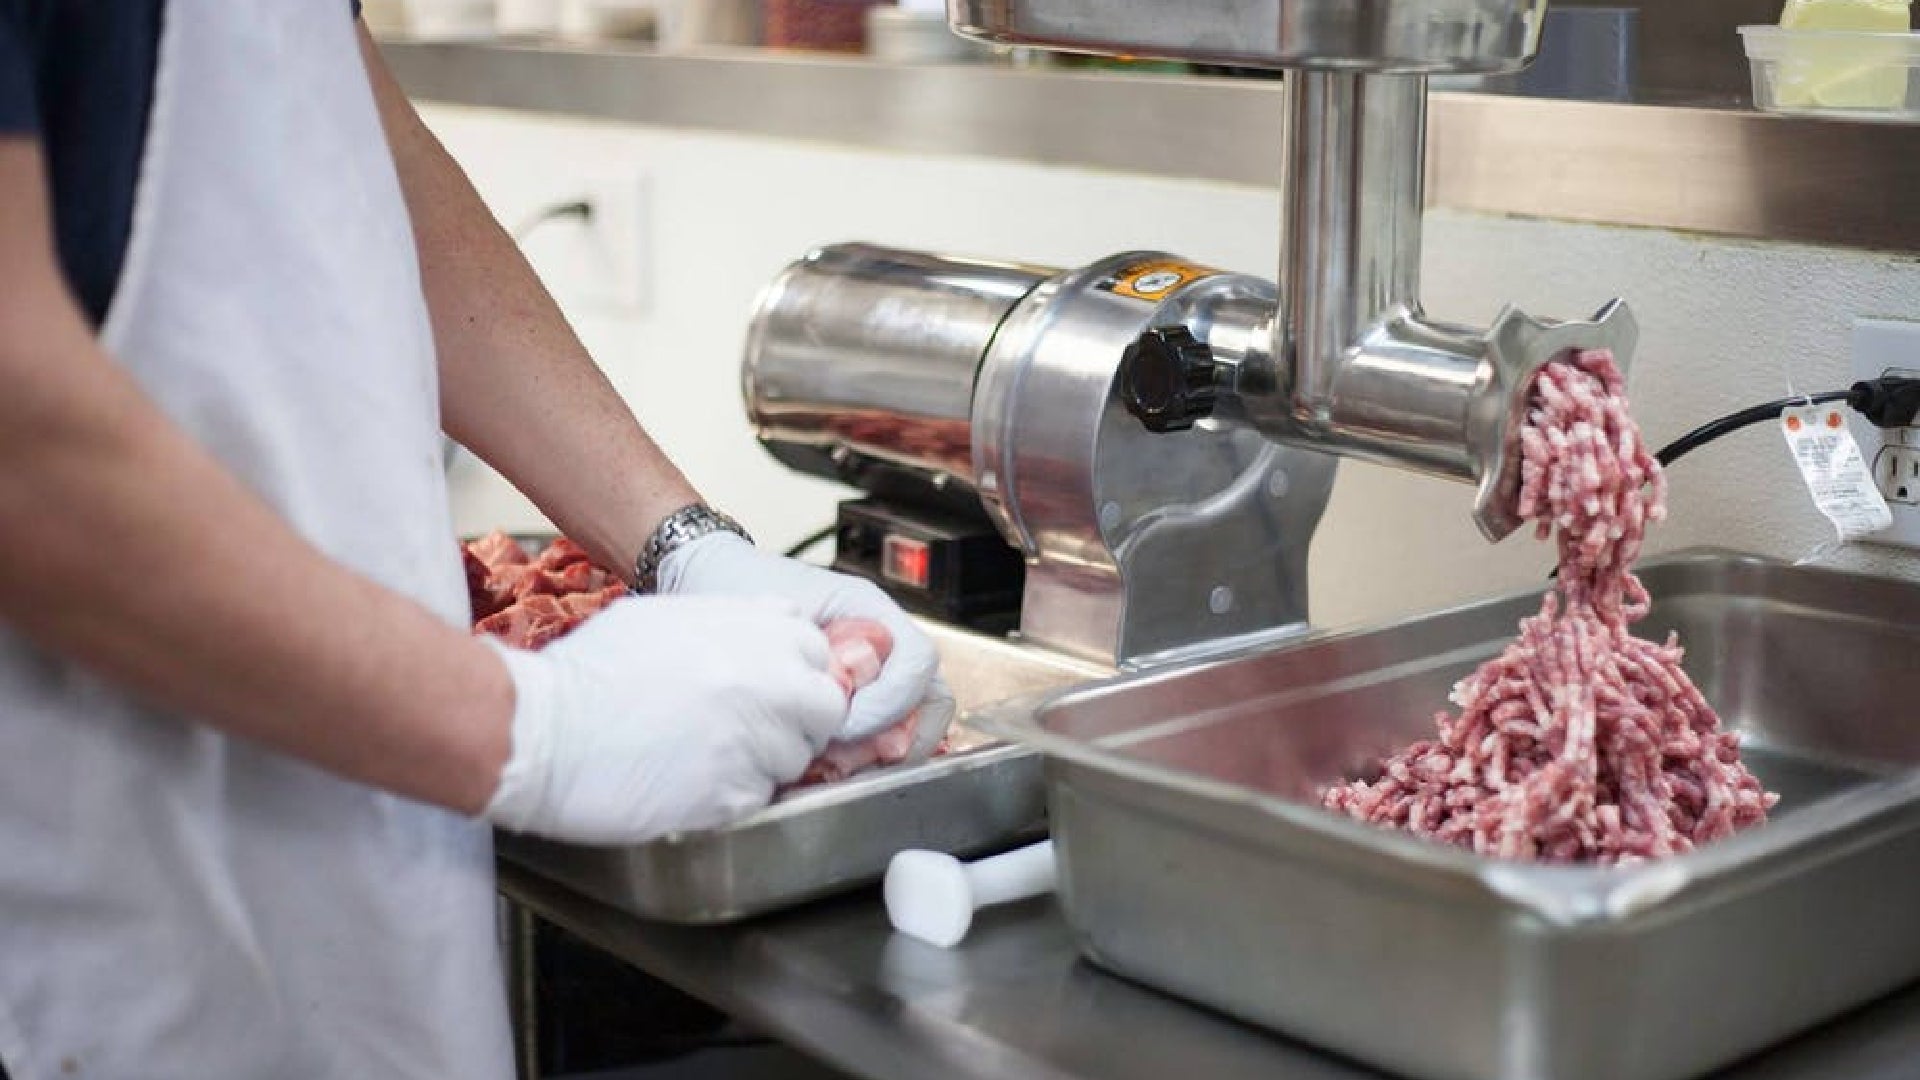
<point>1580,742</point>
<point>528,601</point>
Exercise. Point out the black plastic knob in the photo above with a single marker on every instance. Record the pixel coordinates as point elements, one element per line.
<point>1169,379</point>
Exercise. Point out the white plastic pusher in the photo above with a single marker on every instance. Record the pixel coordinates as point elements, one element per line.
<point>932,896</point>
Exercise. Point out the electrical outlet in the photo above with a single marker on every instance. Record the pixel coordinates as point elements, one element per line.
<point>1896,468</point>
<point>1885,347</point>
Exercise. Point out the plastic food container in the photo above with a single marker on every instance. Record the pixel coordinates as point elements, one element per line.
<point>1843,74</point>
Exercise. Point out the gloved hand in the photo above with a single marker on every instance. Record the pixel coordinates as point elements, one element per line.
<point>662,715</point>
<point>723,564</point>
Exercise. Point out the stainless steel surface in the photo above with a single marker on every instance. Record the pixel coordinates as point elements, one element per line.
<point>1190,789</point>
<point>1724,171</point>
<point>828,839</point>
<point>1352,148</point>
<point>1371,35</point>
<point>1355,366</point>
<point>872,352</point>
<point>1586,54</point>
<point>1138,544</point>
<point>1436,397</point>
<point>1016,1002</point>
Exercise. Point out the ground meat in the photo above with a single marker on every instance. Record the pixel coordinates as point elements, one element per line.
<point>1580,742</point>
<point>529,601</point>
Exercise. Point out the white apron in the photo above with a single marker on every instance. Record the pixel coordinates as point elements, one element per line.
<point>174,904</point>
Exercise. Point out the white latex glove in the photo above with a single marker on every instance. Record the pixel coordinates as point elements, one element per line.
<point>723,564</point>
<point>663,715</point>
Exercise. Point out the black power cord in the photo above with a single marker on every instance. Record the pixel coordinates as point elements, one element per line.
<point>1891,401</point>
<point>578,208</point>
<point>812,540</point>
<point>1732,422</point>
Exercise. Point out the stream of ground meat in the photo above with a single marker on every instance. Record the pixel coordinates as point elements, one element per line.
<point>1580,742</point>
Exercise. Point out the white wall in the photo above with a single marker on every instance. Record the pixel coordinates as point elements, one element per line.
<point>1724,324</point>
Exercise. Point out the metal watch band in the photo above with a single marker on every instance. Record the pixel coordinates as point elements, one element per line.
<point>682,527</point>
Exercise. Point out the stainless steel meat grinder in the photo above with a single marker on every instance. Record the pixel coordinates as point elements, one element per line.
<point>1153,441</point>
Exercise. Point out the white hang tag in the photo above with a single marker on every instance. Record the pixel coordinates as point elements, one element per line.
<point>1837,476</point>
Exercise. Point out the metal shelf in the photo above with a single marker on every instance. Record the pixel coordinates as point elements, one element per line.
<point>1724,171</point>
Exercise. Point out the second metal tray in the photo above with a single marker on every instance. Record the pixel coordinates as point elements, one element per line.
<point>1194,857</point>
<point>824,840</point>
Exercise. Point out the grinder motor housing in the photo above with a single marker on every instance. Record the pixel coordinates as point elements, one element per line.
<point>950,386</point>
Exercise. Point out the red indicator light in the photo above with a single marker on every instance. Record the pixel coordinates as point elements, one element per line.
<point>906,561</point>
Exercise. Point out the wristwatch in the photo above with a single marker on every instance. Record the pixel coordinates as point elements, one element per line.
<point>682,527</point>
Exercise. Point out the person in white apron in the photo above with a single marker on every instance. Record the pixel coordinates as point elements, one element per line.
<point>249,753</point>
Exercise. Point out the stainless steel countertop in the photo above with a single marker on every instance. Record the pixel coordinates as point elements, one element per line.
<point>1015,1002</point>
<point>1725,171</point>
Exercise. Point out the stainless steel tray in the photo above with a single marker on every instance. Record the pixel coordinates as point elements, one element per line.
<point>1194,858</point>
<point>824,840</point>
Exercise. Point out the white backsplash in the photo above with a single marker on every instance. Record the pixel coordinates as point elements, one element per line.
<point>1724,324</point>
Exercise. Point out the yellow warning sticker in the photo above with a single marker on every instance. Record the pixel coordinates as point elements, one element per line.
<point>1156,279</point>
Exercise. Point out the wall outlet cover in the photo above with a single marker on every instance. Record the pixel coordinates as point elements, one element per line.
<point>1890,347</point>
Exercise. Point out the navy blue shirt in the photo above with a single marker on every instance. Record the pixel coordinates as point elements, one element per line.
<point>78,74</point>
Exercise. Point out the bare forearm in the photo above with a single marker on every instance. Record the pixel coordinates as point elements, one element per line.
<point>132,551</point>
<point>516,386</point>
